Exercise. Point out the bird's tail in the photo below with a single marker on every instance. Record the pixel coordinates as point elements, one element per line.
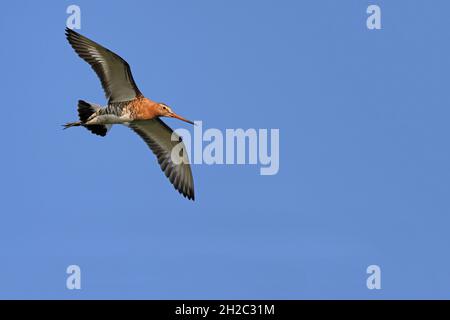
<point>85,110</point>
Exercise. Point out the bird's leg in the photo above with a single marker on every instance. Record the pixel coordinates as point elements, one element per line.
<point>72,124</point>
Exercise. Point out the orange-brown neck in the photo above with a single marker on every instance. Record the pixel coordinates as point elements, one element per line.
<point>144,109</point>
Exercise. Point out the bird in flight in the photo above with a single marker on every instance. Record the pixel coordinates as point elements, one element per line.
<point>127,106</point>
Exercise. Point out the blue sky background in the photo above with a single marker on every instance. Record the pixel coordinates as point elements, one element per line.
<point>364,152</point>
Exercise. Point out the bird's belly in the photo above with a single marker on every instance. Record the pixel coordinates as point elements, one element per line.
<point>109,119</point>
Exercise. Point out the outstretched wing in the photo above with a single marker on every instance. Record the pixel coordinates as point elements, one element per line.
<point>114,72</point>
<point>158,136</point>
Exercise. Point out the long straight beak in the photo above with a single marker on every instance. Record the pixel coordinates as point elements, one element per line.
<point>174,115</point>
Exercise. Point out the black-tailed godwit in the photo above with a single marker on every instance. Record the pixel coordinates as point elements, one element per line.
<point>127,106</point>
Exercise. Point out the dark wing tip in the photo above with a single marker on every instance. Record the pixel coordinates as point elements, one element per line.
<point>184,189</point>
<point>69,32</point>
<point>71,36</point>
<point>189,194</point>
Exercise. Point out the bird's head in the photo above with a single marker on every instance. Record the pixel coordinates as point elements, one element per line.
<point>165,111</point>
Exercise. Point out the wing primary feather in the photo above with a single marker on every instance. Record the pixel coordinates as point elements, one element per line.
<point>113,71</point>
<point>157,135</point>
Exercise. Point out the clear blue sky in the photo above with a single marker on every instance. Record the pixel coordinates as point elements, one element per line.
<point>364,157</point>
